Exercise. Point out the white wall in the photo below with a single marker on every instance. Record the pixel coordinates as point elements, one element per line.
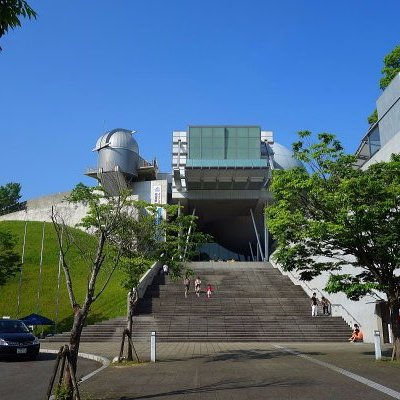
<point>39,209</point>
<point>361,312</point>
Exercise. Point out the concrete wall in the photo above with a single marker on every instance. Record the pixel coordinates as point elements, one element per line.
<point>39,209</point>
<point>147,278</point>
<point>388,106</point>
<point>362,312</point>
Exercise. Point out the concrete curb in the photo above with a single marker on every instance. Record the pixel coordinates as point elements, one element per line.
<point>103,360</point>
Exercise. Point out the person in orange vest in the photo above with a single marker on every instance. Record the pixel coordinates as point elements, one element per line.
<point>357,335</point>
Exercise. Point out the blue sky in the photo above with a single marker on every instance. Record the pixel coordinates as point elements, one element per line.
<point>84,67</point>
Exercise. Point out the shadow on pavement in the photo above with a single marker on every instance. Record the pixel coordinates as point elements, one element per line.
<point>245,355</point>
<point>40,357</point>
<point>221,386</point>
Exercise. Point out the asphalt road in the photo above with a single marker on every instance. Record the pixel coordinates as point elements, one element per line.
<point>23,379</point>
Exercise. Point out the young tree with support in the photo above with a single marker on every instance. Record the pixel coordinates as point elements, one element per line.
<point>174,239</point>
<point>106,220</point>
<point>332,214</point>
<point>139,240</point>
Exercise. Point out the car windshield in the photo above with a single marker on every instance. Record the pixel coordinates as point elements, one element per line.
<point>13,327</point>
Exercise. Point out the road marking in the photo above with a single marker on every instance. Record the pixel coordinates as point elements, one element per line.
<point>351,375</point>
<point>99,359</point>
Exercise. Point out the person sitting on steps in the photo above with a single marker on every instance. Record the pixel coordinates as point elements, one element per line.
<point>357,335</point>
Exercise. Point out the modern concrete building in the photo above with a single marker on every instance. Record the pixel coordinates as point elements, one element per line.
<point>221,174</point>
<point>383,137</point>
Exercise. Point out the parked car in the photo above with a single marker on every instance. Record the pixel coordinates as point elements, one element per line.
<point>16,340</point>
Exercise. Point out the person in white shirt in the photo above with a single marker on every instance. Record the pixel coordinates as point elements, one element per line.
<point>165,269</point>
<point>197,285</point>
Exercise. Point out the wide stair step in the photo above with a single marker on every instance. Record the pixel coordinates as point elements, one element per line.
<point>251,302</point>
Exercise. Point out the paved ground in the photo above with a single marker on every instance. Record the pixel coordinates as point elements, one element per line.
<point>245,371</point>
<point>25,379</point>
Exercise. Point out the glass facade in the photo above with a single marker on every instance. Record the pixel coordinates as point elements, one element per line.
<point>208,143</point>
<point>374,141</point>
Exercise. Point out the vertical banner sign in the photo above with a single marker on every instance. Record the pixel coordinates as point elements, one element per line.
<point>156,194</point>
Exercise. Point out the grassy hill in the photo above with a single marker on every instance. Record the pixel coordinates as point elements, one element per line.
<point>53,302</point>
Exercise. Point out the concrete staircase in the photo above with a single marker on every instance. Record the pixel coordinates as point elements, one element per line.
<point>251,302</point>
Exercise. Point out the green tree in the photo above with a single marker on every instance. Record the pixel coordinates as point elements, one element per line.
<point>106,220</point>
<point>331,215</point>
<point>182,239</point>
<point>389,71</point>
<point>9,259</point>
<point>138,239</point>
<point>391,67</point>
<point>373,118</point>
<point>150,237</point>
<point>11,13</point>
<point>9,197</point>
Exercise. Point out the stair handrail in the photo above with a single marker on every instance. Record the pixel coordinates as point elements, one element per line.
<point>296,280</point>
<point>354,321</point>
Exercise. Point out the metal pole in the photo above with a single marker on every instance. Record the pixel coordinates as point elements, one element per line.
<point>153,347</point>
<point>40,270</point>
<point>377,342</point>
<point>255,230</point>
<point>266,234</point>
<point>21,269</point>
<point>251,251</point>
<point>188,234</point>
<point>58,282</point>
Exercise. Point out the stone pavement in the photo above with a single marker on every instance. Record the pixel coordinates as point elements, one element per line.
<point>245,371</point>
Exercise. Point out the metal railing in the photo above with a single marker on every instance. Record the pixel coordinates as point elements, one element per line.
<point>311,290</point>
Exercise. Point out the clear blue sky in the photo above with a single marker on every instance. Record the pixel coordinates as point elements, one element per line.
<point>84,67</point>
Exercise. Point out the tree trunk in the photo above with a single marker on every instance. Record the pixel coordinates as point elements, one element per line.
<point>394,305</point>
<point>74,342</point>
<point>132,300</point>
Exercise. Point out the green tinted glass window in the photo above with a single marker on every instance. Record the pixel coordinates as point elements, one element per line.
<point>254,153</point>
<point>230,132</point>
<point>255,133</point>
<point>206,132</point>
<point>242,132</point>
<point>195,152</point>
<point>230,152</point>
<point>219,143</point>
<point>219,153</point>
<point>242,153</point>
<point>219,132</point>
<point>195,132</point>
<point>242,142</point>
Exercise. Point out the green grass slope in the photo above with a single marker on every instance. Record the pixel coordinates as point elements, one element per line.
<point>42,294</point>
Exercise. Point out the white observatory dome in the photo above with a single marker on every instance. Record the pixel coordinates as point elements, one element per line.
<point>117,139</point>
<point>118,151</point>
<point>283,157</point>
